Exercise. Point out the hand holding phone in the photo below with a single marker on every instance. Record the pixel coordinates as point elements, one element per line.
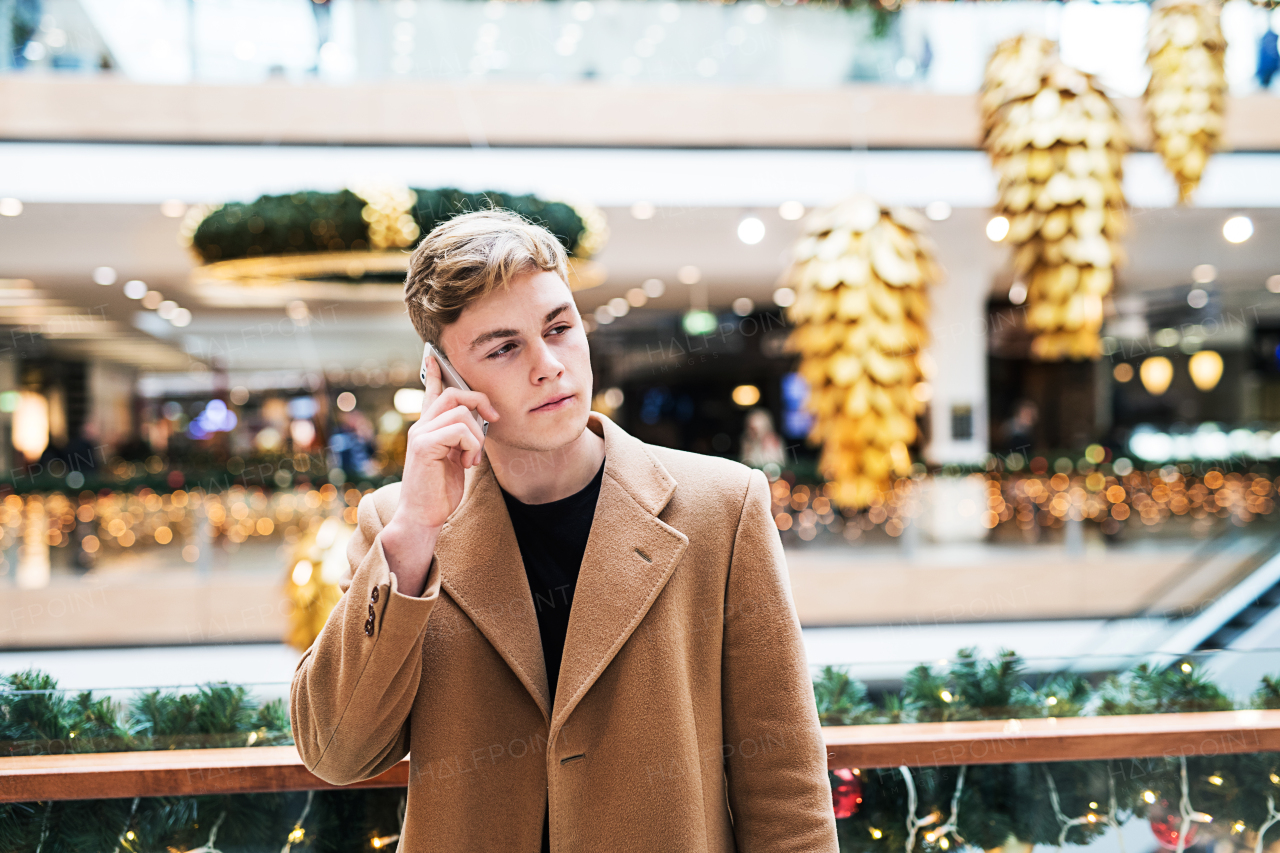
<point>449,378</point>
<point>447,439</point>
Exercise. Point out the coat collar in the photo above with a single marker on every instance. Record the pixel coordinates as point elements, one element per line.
<point>629,557</point>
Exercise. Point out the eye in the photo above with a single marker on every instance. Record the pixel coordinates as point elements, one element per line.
<point>561,329</point>
<point>501,351</point>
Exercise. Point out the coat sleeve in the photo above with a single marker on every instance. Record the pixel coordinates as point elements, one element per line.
<point>775,757</point>
<point>353,689</point>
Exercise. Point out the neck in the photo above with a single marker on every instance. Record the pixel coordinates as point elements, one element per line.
<point>542,476</point>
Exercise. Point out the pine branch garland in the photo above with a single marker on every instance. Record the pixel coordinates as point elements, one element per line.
<point>922,809</point>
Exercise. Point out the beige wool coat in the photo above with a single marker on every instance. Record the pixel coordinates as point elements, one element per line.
<point>684,718</point>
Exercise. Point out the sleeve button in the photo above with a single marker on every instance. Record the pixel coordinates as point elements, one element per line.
<point>374,595</point>
<point>368,626</point>
<point>371,611</point>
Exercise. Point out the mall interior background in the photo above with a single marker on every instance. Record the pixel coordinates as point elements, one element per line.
<point>182,447</point>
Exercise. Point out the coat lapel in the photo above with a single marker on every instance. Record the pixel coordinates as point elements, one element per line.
<point>630,555</point>
<point>481,569</point>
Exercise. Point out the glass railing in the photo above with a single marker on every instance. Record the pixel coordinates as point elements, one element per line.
<point>347,820</point>
<point>1135,803</point>
<point>134,528</point>
<point>969,752</point>
<point>970,686</point>
<point>38,717</point>
<point>1143,803</point>
<point>938,46</point>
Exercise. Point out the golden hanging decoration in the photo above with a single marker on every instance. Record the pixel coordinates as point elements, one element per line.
<point>318,563</point>
<point>860,275</point>
<point>1187,94</point>
<point>1057,144</point>
<point>1012,73</point>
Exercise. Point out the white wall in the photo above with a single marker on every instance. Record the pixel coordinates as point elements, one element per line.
<point>959,336</point>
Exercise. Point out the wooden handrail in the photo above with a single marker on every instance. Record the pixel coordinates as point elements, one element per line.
<point>248,770</point>
<point>168,772</point>
<point>1053,739</point>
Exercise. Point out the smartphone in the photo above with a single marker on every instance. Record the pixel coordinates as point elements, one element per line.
<point>449,377</point>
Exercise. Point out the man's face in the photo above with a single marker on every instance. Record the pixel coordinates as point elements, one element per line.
<point>525,347</point>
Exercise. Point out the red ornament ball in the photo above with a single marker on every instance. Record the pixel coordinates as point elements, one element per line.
<point>1166,832</point>
<point>847,795</point>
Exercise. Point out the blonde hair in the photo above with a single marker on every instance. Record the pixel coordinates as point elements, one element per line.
<point>465,258</point>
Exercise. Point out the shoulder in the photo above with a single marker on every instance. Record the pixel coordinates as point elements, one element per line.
<point>707,478</point>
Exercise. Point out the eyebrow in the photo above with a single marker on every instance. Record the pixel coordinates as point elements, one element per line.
<point>485,337</point>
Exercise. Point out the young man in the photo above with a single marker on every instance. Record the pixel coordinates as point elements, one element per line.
<point>583,642</point>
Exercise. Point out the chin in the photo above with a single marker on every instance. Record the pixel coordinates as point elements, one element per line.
<point>552,433</point>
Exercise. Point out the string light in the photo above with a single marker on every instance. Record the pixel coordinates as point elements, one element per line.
<point>1109,496</point>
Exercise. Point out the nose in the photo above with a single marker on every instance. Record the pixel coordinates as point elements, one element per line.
<point>546,365</point>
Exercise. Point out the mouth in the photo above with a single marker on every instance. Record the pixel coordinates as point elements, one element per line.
<point>556,403</point>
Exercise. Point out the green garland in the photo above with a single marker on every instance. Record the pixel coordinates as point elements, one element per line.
<point>995,802</point>
<point>1041,803</point>
<point>38,719</point>
<point>332,222</point>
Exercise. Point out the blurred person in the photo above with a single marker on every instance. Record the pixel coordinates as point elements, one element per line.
<point>352,442</point>
<point>760,443</point>
<point>572,634</point>
<point>1018,433</point>
<point>1268,57</point>
<point>83,452</point>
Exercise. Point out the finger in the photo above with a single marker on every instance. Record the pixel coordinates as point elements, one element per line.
<point>453,442</point>
<point>432,386</point>
<point>452,396</point>
<point>439,443</point>
<point>457,415</point>
<point>460,437</point>
<point>485,407</point>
